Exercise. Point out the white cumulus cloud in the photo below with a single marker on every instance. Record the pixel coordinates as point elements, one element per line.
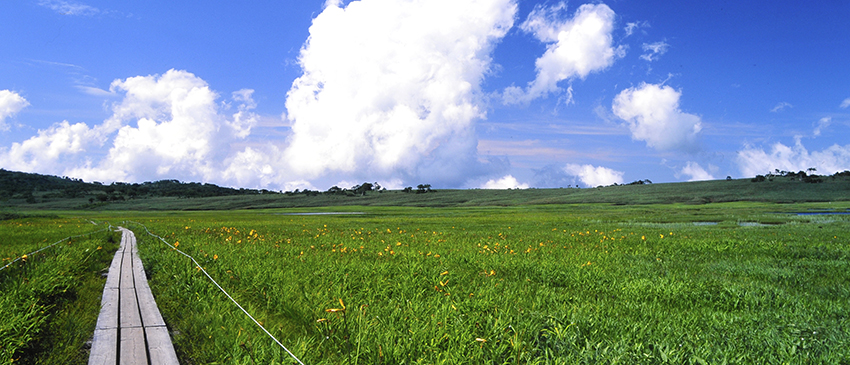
<point>756,161</point>
<point>391,89</point>
<point>653,115</point>
<point>44,151</point>
<point>506,182</point>
<point>10,104</point>
<point>575,47</point>
<point>592,176</point>
<point>696,172</point>
<point>168,126</point>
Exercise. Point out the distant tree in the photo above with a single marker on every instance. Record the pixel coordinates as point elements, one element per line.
<point>407,189</point>
<point>728,178</point>
<point>362,188</point>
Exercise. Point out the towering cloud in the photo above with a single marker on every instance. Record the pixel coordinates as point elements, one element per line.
<point>575,47</point>
<point>10,104</point>
<point>653,115</point>
<point>390,88</point>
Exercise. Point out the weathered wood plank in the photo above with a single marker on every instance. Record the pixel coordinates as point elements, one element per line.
<point>159,346</point>
<point>129,326</point>
<point>108,317</point>
<point>114,274</point>
<point>129,311</point>
<point>127,272</point>
<point>139,276</point>
<point>104,348</point>
<point>133,351</point>
<point>148,308</point>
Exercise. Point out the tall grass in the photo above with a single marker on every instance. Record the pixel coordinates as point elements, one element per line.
<point>50,300</point>
<point>547,284</point>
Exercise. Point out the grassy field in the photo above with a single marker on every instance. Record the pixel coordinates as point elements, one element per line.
<point>718,283</point>
<point>49,301</point>
<point>487,277</point>
<point>700,192</point>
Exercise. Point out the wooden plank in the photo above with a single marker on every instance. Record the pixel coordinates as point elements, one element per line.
<point>133,350</point>
<point>127,272</point>
<point>108,317</point>
<point>104,348</point>
<point>129,311</point>
<point>159,346</point>
<point>139,276</point>
<point>148,308</point>
<point>130,327</point>
<point>114,275</point>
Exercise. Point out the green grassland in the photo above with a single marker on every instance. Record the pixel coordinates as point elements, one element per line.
<point>705,273</point>
<point>49,301</point>
<point>170,195</point>
<point>586,283</point>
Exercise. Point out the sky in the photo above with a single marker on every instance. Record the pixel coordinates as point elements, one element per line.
<point>302,94</point>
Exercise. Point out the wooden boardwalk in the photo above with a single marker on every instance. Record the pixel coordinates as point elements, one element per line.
<point>129,329</point>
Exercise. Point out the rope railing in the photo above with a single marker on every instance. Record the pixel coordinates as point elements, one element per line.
<point>53,244</point>
<point>222,290</point>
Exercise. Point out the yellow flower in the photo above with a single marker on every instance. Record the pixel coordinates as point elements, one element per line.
<point>176,243</point>
<point>215,257</point>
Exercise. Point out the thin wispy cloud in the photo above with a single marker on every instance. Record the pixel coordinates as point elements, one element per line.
<point>69,7</point>
<point>822,124</point>
<point>654,50</point>
<point>632,26</point>
<point>781,106</point>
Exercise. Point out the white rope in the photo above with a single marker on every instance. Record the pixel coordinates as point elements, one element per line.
<point>222,290</point>
<point>51,245</point>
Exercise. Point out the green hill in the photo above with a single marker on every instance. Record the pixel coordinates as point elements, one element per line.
<point>25,191</point>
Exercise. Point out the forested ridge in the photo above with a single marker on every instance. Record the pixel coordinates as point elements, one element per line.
<point>25,185</point>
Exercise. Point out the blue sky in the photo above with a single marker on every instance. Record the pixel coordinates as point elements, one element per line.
<point>478,93</point>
